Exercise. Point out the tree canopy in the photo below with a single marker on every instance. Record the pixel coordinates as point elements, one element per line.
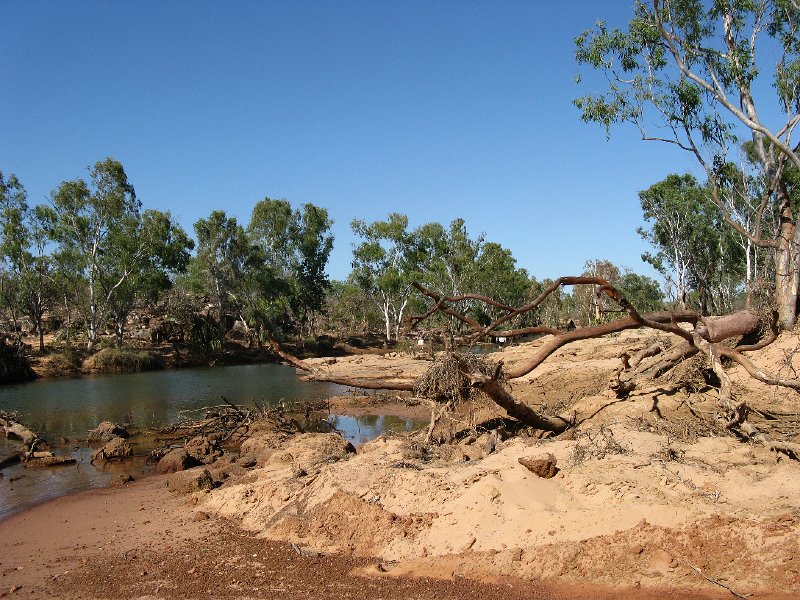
<point>693,74</point>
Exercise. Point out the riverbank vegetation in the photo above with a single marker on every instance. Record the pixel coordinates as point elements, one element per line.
<point>93,268</point>
<point>92,282</point>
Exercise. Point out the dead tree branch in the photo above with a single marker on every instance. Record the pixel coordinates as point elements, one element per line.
<point>699,334</point>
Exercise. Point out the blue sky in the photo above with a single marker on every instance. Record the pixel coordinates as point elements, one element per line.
<point>435,109</point>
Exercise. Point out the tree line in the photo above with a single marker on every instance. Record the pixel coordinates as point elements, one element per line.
<point>92,255</point>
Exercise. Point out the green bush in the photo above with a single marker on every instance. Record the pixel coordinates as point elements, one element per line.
<point>123,360</point>
<point>14,364</point>
<point>206,337</point>
<point>69,360</point>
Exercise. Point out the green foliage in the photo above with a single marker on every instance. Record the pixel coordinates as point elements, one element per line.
<point>644,293</point>
<point>123,360</point>
<point>220,265</point>
<point>385,264</point>
<point>295,246</point>
<point>67,360</point>
<point>119,252</point>
<point>206,337</point>
<point>686,73</point>
<point>28,283</point>
<point>694,250</point>
<point>14,364</point>
<point>350,310</point>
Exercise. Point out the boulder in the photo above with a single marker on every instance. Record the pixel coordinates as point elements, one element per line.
<point>122,479</point>
<point>105,432</point>
<point>188,482</point>
<point>543,465</point>
<point>116,447</point>
<point>203,449</point>
<point>176,460</point>
<point>309,449</point>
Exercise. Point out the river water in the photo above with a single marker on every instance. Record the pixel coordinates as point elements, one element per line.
<point>68,408</point>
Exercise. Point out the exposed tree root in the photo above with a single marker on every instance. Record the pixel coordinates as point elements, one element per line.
<point>698,334</point>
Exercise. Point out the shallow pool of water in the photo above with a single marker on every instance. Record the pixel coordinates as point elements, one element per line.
<point>69,408</point>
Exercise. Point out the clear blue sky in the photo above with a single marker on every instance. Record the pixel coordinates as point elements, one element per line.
<point>435,109</point>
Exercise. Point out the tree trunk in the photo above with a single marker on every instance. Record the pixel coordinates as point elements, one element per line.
<point>787,270</point>
<point>516,409</point>
<point>119,329</point>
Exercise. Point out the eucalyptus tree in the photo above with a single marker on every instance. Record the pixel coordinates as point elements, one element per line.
<point>385,264</point>
<point>313,244</point>
<point>694,74</point>
<point>694,251</point>
<point>450,257</point>
<point>107,246</point>
<point>295,247</point>
<point>497,276</point>
<point>28,285</point>
<point>150,272</point>
<point>643,292</point>
<point>592,306</point>
<point>223,259</point>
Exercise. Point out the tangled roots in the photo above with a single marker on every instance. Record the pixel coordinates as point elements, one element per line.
<point>447,378</point>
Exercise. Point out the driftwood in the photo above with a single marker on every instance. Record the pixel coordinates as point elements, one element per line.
<point>49,461</point>
<point>35,451</point>
<point>697,334</point>
<point>15,430</point>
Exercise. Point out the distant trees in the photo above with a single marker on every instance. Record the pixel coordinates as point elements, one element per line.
<point>28,284</point>
<point>91,246</point>
<point>694,248</point>
<point>296,246</point>
<point>446,260</point>
<point>102,235</point>
<point>270,275</point>
<point>686,73</point>
<point>93,250</point>
<point>385,264</point>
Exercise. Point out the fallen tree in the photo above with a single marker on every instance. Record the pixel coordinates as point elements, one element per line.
<point>724,338</point>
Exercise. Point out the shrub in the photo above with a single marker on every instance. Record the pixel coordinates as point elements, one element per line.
<point>69,360</point>
<point>14,364</point>
<point>123,360</point>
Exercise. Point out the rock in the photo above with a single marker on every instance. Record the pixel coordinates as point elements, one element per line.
<point>660,560</point>
<point>247,461</point>
<point>176,460</point>
<point>203,450</point>
<point>227,471</point>
<point>117,447</point>
<point>201,516</point>
<point>122,479</point>
<point>309,449</point>
<point>105,432</point>
<point>47,461</point>
<point>262,445</point>
<point>543,465</point>
<point>187,482</point>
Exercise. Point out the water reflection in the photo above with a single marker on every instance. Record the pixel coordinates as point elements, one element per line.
<point>363,429</point>
<point>69,408</point>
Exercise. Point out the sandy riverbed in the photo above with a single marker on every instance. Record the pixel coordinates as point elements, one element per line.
<point>647,504</point>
